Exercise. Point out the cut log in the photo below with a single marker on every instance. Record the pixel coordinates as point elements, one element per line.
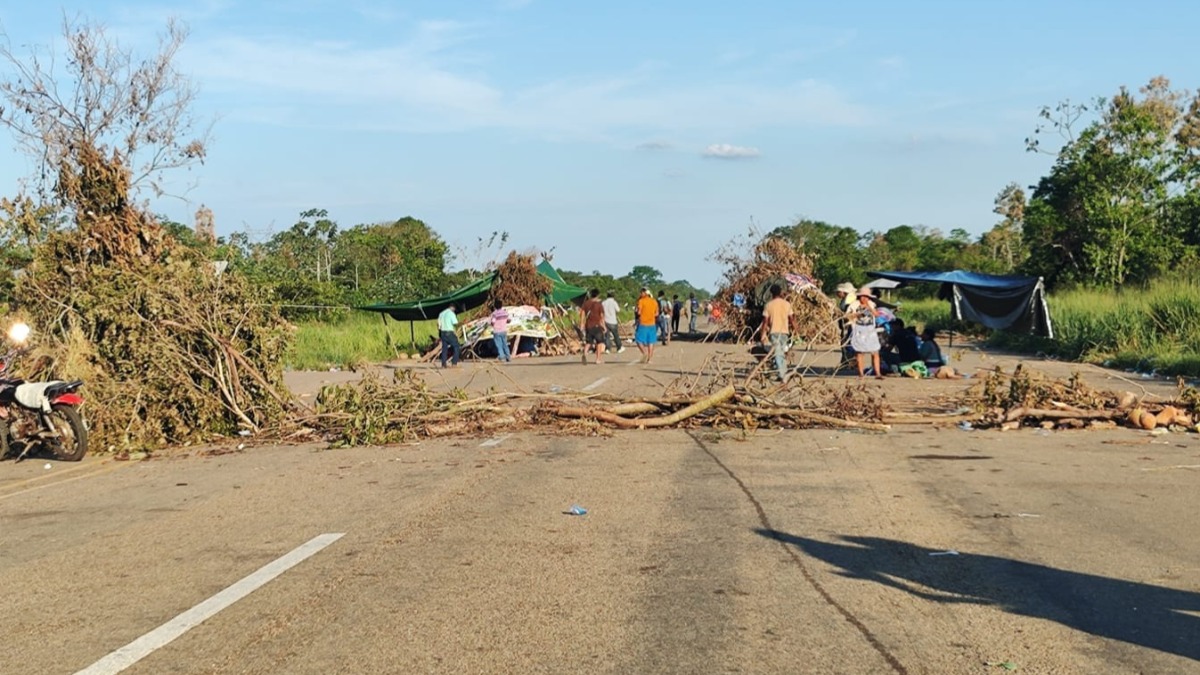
<point>1041,413</point>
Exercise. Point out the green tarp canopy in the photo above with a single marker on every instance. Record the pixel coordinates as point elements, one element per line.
<point>471,296</point>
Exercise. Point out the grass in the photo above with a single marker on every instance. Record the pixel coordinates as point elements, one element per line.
<point>359,337</point>
<point>1151,329</point>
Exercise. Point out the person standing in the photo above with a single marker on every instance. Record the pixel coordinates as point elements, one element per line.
<point>778,321</point>
<point>499,321</point>
<point>646,318</point>
<point>845,295</point>
<point>591,319</point>
<point>676,313</point>
<point>864,340</point>
<point>613,333</point>
<point>693,308</point>
<point>448,332</point>
<point>664,318</point>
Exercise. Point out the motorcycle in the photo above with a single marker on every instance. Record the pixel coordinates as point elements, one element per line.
<point>38,417</point>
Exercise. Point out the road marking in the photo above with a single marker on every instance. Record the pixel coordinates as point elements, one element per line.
<point>103,469</point>
<point>493,442</point>
<point>159,637</point>
<point>595,384</point>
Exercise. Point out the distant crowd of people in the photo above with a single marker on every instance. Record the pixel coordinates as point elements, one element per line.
<point>655,321</point>
<point>873,338</point>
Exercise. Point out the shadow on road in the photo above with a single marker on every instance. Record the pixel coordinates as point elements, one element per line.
<point>1136,613</point>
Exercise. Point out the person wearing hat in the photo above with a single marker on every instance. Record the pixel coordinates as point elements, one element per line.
<point>864,340</point>
<point>845,295</point>
<point>645,331</point>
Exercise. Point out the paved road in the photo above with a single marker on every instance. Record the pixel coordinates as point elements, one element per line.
<point>798,552</point>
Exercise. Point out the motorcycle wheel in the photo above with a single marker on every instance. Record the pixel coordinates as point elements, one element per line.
<point>72,442</point>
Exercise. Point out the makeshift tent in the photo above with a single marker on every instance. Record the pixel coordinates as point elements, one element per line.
<point>997,302</point>
<point>471,296</point>
<point>560,292</point>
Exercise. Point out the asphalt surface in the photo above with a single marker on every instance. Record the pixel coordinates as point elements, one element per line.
<point>923,550</point>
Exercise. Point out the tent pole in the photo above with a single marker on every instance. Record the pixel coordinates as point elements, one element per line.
<point>387,333</point>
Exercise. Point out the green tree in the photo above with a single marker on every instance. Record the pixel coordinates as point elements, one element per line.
<point>646,276</point>
<point>1101,216</point>
<point>836,251</point>
<point>391,262</point>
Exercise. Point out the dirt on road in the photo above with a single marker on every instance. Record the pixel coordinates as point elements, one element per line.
<point>922,550</point>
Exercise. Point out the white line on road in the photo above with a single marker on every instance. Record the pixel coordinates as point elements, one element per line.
<point>595,384</point>
<point>159,637</point>
<point>493,442</point>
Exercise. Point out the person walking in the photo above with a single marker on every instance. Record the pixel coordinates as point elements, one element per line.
<point>664,318</point>
<point>499,319</point>
<point>591,320</point>
<point>777,323</point>
<point>646,320</point>
<point>612,329</point>
<point>693,308</point>
<point>448,332</point>
<point>864,339</point>
<point>676,313</point>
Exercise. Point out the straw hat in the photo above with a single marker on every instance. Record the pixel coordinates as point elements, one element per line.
<point>866,291</point>
<point>846,287</point>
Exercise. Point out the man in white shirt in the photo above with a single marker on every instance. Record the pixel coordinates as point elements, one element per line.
<point>612,334</point>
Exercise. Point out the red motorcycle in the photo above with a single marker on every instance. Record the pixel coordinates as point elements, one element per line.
<point>38,417</point>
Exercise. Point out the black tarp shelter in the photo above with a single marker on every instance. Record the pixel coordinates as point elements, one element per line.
<point>998,302</point>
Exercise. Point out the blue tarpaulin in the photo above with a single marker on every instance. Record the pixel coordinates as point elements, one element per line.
<point>997,302</point>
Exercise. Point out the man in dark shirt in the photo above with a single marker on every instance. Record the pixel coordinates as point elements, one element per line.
<point>906,348</point>
<point>591,316</point>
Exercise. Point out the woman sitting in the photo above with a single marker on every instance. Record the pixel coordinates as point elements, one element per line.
<point>931,354</point>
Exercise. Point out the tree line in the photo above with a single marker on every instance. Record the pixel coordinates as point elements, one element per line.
<point>1119,206</point>
<point>315,266</point>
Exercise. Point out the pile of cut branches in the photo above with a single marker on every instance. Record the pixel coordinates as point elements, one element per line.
<point>170,350</point>
<point>405,409</point>
<point>518,282</point>
<point>1029,398</point>
<point>376,412</point>
<point>769,260</point>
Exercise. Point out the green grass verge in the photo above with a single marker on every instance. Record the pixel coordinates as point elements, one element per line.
<point>359,337</point>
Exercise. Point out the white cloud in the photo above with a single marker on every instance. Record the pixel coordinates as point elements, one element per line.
<point>433,81</point>
<point>655,146</point>
<point>727,151</point>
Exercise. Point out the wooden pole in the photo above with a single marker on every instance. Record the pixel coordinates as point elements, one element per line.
<point>412,333</point>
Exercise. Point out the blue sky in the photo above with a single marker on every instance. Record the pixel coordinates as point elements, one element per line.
<point>624,133</point>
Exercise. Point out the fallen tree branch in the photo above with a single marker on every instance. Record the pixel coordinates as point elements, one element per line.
<point>720,396</point>
<point>799,414</point>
